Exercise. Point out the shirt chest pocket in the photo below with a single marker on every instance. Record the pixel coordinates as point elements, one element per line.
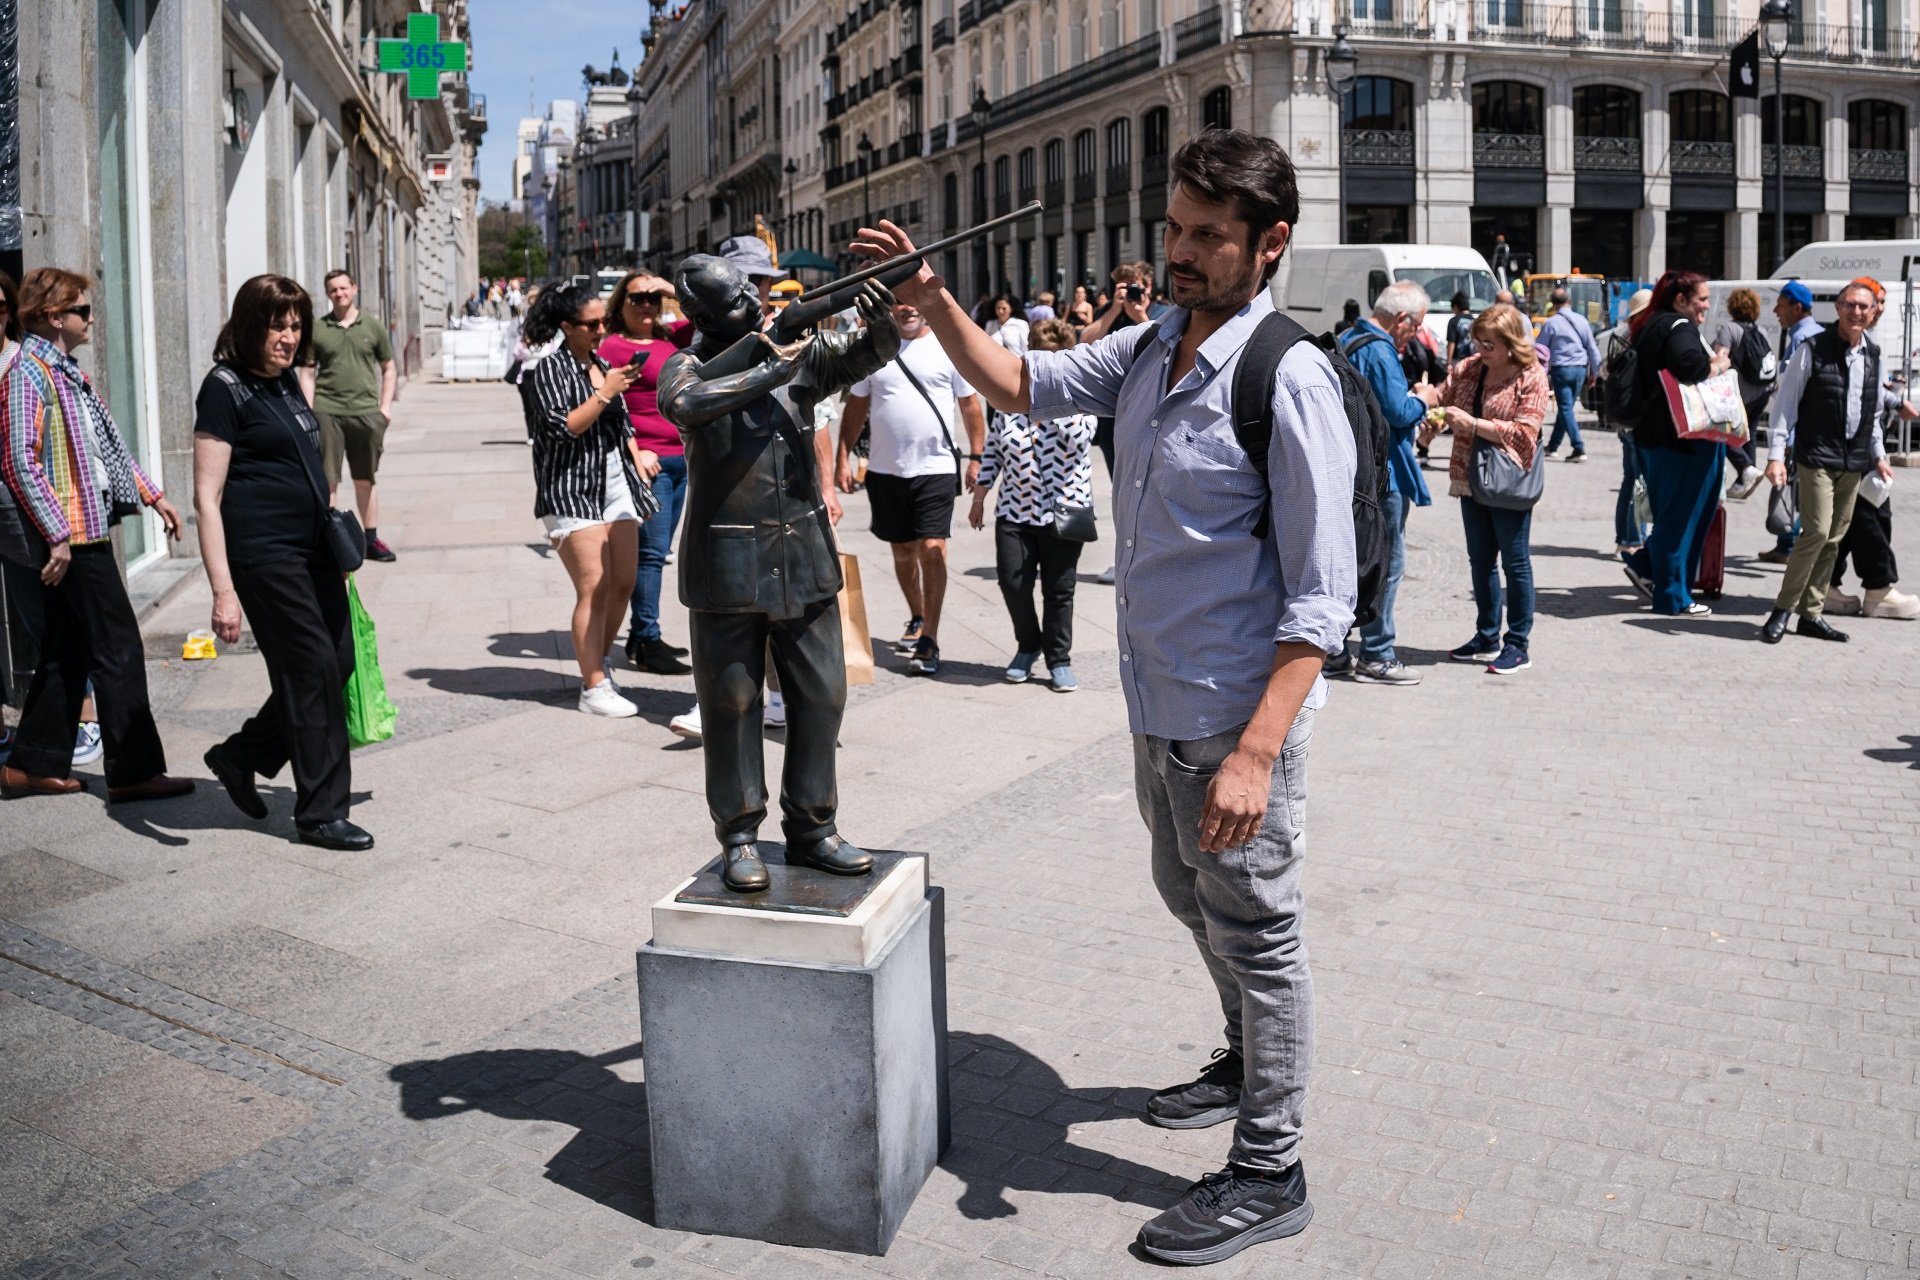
<point>1206,477</point>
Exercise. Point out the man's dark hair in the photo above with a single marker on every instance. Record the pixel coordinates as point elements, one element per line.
<point>334,274</point>
<point>1460,302</point>
<point>1252,173</point>
<point>1560,297</point>
<point>262,303</point>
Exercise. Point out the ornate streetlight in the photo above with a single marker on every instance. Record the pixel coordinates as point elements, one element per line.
<point>982,112</point>
<point>1343,64</point>
<point>1776,25</point>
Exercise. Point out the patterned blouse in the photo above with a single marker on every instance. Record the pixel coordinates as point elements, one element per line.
<point>1515,410</point>
<point>1041,467</point>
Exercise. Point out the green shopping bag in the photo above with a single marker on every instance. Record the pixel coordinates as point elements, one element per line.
<point>370,713</point>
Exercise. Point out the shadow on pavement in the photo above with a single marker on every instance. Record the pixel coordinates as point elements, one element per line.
<point>512,684</point>
<point>172,822</point>
<point>1726,628</point>
<point>531,644</point>
<point>1909,755</point>
<point>605,1161</point>
<point>951,672</point>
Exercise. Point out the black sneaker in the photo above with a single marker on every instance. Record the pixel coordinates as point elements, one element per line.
<point>1338,664</point>
<point>1475,651</point>
<point>910,636</point>
<point>1214,1097</point>
<point>378,550</point>
<point>1225,1212</point>
<point>925,660</point>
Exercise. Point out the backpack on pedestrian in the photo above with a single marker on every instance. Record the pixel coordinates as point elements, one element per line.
<point>1622,398</point>
<point>1253,428</point>
<point>1753,358</point>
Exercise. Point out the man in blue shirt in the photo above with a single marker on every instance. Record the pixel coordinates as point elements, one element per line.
<point>1794,310</point>
<point>1372,346</point>
<point>1231,593</point>
<point>1572,362</point>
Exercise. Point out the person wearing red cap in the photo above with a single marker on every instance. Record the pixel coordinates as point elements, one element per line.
<point>1869,540</point>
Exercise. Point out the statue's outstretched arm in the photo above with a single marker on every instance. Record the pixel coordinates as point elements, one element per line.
<point>690,398</point>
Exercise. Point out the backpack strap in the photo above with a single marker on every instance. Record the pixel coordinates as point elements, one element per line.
<point>1253,395</point>
<point>236,385</point>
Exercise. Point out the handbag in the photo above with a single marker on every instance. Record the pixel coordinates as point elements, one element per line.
<point>1783,509</point>
<point>856,641</point>
<point>1497,480</point>
<point>370,712</point>
<point>1075,524</point>
<point>1709,410</point>
<point>946,436</point>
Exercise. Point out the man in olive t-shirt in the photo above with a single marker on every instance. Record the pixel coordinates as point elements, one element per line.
<point>351,385</point>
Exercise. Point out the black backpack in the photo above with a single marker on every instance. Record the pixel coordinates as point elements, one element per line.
<point>1622,399</point>
<point>1253,428</point>
<point>1753,358</point>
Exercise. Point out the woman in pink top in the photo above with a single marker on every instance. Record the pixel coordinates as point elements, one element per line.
<point>636,337</point>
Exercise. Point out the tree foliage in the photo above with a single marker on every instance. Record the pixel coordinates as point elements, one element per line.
<point>510,245</point>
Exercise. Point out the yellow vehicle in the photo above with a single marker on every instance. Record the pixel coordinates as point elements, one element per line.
<point>1589,294</point>
<point>784,292</point>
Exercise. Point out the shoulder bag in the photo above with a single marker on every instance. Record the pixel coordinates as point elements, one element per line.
<point>946,436</point>
<point>340,534</point>
<point>1499,481</point>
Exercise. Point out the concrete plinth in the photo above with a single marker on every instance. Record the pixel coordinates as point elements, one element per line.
<point>793,1099</point>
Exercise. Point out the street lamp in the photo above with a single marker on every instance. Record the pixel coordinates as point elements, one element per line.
<point>982,112</point>
<point>1776,24</point>
<point>1342,65</point>
<point>790,170</point>
<point>865,147</point>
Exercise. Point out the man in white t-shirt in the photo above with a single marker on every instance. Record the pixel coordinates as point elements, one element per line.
<point>917,407</point>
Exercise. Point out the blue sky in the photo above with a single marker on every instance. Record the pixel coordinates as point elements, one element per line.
<point>536,48</point>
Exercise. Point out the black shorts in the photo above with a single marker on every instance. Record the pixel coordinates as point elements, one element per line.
<point>909,508</point>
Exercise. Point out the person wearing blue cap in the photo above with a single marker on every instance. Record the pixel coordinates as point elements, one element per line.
<point>1794,310</point>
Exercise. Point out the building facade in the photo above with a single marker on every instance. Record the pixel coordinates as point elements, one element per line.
<point>210,141</point>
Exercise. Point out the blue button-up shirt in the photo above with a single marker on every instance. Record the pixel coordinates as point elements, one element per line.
<point>1379,363</point>
<point>1201,601</point>
<point>1569,340</point>
<point>1804,328</point>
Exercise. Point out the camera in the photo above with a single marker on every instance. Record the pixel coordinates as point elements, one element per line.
<point>1135,292</point>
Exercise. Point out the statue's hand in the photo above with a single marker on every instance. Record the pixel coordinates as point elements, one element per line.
<point>875,304</point>
<point>789,356</point>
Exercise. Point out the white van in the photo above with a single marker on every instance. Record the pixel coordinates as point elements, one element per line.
<point>1887,261</point>
<point>1315,281</point>
<point>1895,329</point>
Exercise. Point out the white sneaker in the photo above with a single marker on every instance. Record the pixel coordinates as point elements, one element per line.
<point>1743,486</point>
<point>604,700</point>
<point>776,713</point>
<point>688,725</point>
<point>1889,603</point>
<point>1840,604</point>
<point>1106,575</point>
<point>607,666</point>
<point>87,746</point>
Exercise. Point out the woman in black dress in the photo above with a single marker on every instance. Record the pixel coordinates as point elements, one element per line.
<point>257,487</point>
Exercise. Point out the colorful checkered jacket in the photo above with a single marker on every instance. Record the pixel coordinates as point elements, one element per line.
<point>53,424</point>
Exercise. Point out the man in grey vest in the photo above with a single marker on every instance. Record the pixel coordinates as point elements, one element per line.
<point>1830,403</point>
<point>758,566</point>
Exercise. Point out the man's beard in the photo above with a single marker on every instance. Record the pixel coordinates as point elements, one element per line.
<point>1212,295</point>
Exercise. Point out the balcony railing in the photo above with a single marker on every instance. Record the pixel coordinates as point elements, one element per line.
<point>1153,170</point>
<point>1607,155</point>
<point>1509,150</point>
<point>969,16</point>
<point>1389,147</point>
<point>1198,33</point>
<point>943,33</point>
<point>1002,202</point>
<point>1802,161</point>
<point>1055,194</point>
<point>1119,179</point>
<point>1085,186</point>
<point>1110,68</point>
<point>1711,159</point>
<point>1865,164</point>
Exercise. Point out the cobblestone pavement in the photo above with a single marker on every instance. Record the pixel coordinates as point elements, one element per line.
<point>1616,958</point>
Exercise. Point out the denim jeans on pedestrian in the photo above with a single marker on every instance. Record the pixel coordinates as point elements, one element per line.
<point>656,541</point>
<point>1376,638</point>
<point>1626,524</point>
<point>1566,382</point>
<point>1683,489</point>
<point>1499,539</point>
<point>1243,907</point>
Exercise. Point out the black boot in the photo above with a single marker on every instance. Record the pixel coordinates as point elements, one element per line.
<point>657,656</point>
<point>743,872</point>
<point>1775,626</point>
<point>830,854</point>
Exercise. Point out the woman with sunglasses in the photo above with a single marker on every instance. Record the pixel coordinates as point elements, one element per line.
<point>640,341</point>
<point>586,476</point>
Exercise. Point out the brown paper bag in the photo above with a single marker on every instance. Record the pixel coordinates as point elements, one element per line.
<point>855,639</point>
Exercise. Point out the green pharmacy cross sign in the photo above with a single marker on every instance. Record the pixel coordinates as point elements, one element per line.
<point>423,56</point>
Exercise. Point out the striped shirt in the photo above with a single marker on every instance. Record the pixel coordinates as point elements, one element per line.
<point>58,441</point>
<point>570,471</point>
<point>1041,466</point>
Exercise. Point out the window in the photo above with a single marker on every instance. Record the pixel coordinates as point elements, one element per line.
<point>1697,20</point>
<point>1153,132</point>
<point>1149,17</point>
<point>997,72</point>
<point>1084,159</point>
<point>1503,13</point>
<point>1506,106</point>
<point>1700,115</point>
<point>1216,109</point>
<point>1873,125</point>
<point>1605,111</point>
<point>1120,143</point>
<point>1022,59</point>
<point>1109,25</point>
<point>1049,44</point>
<point>1002,184</point>
<point>1802,121</point>
<point>1379,102</point>
<point>1026,174</point>
<point>1055,157</point>
<point>1077,34</point>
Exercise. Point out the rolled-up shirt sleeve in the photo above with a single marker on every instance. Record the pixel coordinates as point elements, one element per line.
<point>1786,403</point>
<point>1310,468</point>
<point>1082,379</point>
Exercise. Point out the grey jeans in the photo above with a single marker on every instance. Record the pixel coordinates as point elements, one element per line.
<point>1244,907</point>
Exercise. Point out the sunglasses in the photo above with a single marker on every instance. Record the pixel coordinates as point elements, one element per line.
<point>644,299</point>
<point>585,324</point>
<point>84,311</point>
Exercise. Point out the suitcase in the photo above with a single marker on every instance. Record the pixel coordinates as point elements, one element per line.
<point>1711,578</point>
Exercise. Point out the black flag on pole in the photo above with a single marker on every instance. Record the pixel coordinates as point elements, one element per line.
<point>1743,78</point>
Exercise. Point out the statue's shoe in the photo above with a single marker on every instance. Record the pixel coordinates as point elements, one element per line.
<point>830,854</point>
<point>743,872</point>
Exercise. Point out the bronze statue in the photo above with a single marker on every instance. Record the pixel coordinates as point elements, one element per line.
<point>759,569</point>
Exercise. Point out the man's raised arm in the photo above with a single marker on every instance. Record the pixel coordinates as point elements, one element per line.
<point>995,372</point>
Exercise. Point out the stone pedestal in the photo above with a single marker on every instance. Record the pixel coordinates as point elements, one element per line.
<point>795,1044</point>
